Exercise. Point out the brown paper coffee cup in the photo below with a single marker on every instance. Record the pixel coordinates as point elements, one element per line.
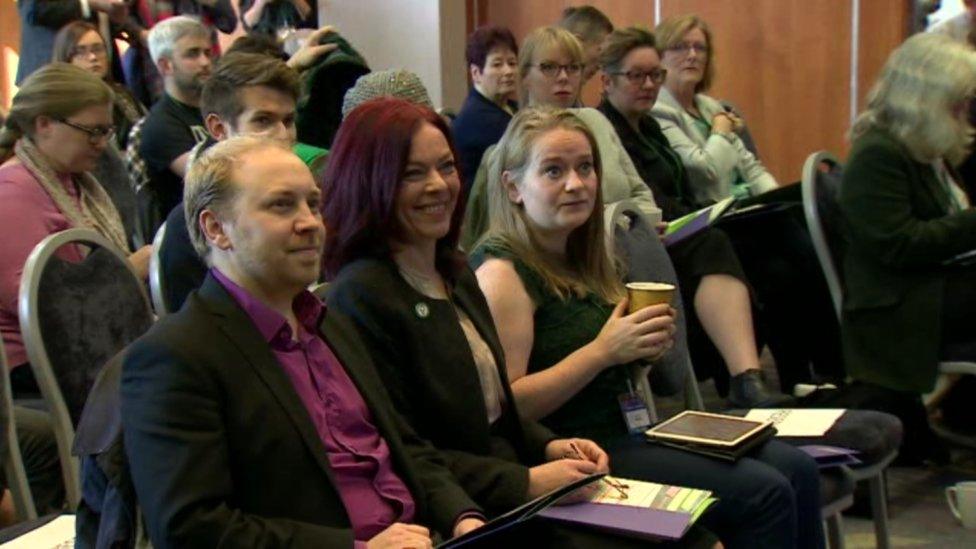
<point>645,294</point>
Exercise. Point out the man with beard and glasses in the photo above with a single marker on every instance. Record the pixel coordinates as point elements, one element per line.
<point>181,48</point>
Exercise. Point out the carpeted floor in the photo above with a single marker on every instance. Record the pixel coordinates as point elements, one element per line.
<point>918,514</point>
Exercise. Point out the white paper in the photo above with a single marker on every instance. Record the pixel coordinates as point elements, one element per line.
<point>794,422</point>
<point>57,534</point>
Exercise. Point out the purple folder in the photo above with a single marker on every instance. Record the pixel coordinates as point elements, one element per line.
<point>830,456</point>
<point>637,522</point>
<point>693,227</point>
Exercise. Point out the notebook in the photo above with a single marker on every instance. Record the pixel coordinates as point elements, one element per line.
<point>520,514</point>
<point>713,435</point>
<point>689,225</point>
<point>650,511</point>
<point>794,422</point>
<point>57,534</point>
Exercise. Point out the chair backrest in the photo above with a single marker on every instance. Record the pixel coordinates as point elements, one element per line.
<point>631,234</point>
<point>75,316</point>
<point>13,460</point>
<point>157,282</point>
<point>820,187</point>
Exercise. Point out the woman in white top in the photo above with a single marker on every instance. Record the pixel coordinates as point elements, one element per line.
<point>700,129</point>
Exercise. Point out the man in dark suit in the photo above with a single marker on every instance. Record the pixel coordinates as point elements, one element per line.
<point>253,417</point>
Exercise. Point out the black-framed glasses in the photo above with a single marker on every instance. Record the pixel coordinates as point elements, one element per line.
<point>552,70</point>
<point>97,49</point>
<point>684,47</point>
<point>95,134</point>
<point>638,78</point>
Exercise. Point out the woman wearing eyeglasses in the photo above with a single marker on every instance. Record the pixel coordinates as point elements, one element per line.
<point>720,327</point>
<point>80,44</point>
<point>700,129</point>
<point>550,72</point>
<point>774,247</point>
<point>59,125</point>
<point>550,64</point>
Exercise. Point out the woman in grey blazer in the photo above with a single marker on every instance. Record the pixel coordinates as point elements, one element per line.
<point>700,129</point>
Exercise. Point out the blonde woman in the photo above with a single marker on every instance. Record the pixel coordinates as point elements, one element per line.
<point>558,304</point>
<point>700,129</point>
<point>907,214</point>
<point>550,68</point>
<point>59,125</point>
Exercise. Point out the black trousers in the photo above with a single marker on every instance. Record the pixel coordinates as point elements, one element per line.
<point>39,450</point>
<point>796,315</point>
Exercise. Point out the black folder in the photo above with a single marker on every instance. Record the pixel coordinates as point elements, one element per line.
<point>520,514</point>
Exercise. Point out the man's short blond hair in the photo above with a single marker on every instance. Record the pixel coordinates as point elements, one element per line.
<point>210,183</point>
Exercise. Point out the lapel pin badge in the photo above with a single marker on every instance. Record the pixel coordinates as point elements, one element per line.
<point>422,310</point>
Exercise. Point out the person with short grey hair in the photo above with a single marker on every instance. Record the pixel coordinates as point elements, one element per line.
<point>182,50</point>
<point>164,36</point>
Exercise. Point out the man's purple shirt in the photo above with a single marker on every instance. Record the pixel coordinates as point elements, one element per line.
<point>374,495</point>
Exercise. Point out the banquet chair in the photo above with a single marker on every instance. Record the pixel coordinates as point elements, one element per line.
<point>74,316</point>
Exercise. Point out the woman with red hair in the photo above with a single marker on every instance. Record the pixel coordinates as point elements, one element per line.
<point>393,209</point>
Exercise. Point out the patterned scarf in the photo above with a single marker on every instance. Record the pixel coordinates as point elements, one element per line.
<point>93,210</point>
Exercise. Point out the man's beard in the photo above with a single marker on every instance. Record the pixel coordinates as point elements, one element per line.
<point>190,85</point>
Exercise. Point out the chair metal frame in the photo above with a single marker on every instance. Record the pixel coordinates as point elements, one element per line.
<point>874,474</point>
<point>831,515</point>
<point>37,353</point>
<point>157,283</point>
<point>13,459</point>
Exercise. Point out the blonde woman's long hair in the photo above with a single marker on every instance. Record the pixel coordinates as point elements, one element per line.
<point>587,266</point>
<point>918,96</point>
<point>543,40</point>
<point>57,90</point>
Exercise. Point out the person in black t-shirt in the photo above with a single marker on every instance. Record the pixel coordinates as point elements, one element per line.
<point>181,47</point>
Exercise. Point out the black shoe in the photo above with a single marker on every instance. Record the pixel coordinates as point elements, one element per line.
<point>747,390</point>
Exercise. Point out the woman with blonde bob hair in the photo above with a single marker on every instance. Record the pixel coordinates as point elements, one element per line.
<point>563,74</point>
<point>550,65</point>
<point>704,133</point>
<point>906,216</point>
<point>559,306</point>
<point>59,125</point>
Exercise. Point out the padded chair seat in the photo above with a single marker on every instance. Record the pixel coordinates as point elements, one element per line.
<point>875,435</point>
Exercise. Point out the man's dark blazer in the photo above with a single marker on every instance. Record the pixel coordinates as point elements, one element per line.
<point>222,450</point>
<point>420,351</point>
<point>896,211</point>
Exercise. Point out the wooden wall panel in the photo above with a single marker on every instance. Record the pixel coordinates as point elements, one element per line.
<point>882,28</point>
<point>785,63</point>
<point>9,44</point>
